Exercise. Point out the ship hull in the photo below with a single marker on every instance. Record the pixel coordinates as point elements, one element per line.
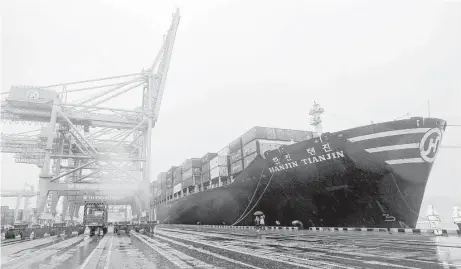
<point>370,176</point>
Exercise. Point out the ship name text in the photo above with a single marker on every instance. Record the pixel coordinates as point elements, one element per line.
<point>328,155</point>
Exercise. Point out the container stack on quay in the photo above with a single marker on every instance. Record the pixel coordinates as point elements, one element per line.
<point>219,169</point>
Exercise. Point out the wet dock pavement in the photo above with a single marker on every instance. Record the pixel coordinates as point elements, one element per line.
<point>172,247</point>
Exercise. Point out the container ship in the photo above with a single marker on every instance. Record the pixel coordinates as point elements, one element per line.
<point>369,176</point>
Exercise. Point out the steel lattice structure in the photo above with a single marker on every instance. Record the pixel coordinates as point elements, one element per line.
<point>98,145</point>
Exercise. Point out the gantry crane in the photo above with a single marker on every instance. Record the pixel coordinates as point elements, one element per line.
<point>98,145</point>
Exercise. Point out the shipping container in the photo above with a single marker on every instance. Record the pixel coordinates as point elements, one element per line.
<point>161,176</point>
<point>224,152</point>
<point>187,174</point>
<point>250,148</point>
<point>169,183</point>
<point>248,159</point>
<point>196,171</point>
<point>169,191</point>
<point>302,135</point>
<point>205,168</point>
<point>197,180</point>
<point>219,171</point>
<point>235,145</point>
<point>207,158</point>
<point>177,188</point>
<point>188,182</point>
<point>189,163</point>
<point>258,133</point>
<point>219,161</point>
<point>236,167</point>
<point>235,156</point>
<point>286,135</point>
<point>177,175</point>
<point>205,178</point>
<point>265,146</point>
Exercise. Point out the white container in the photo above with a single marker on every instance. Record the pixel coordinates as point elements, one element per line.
<point>219,171</point>
<point>177,188</point>
<point>224,152</point>
<point>218,161</point>
<point>187,174</point>
<point>250,148</point>
<point>248,159</point>
<point>236,167</point>
<point>271,145</point>
<point>235,156</point>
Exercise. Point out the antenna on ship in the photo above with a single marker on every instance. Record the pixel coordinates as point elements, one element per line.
<point>316,121</point>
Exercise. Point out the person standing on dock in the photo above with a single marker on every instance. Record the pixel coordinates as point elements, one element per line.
<point>257,221</point>
<point>262,222</point>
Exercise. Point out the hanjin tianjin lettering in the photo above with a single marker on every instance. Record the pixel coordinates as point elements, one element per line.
<point>288,163</point>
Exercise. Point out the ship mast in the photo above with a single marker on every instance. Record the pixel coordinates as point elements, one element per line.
<point>316,120</point>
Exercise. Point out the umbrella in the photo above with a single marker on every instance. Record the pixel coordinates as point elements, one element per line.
<point>258,213</point>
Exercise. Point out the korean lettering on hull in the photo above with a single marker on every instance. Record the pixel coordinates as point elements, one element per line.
<point>304,154</point>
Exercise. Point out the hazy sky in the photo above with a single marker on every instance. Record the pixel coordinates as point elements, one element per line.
<point>237,64</point>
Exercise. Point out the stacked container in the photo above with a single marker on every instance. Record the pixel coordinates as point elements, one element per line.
<point>170,180</point>
<point>235,156</point>
<point>259,133</point>
<point>219,166</point>
<point>162,178</point>
<point>295,135</point>
<point>191,172</point>
<point>258,140</point>
<point>177,180</point>
<point>250,145</point>
<point>206,167</point>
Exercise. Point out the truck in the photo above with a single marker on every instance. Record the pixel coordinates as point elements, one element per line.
<point>95,217</point>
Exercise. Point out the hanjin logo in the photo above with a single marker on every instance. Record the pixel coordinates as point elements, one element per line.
<point>429,144</point>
